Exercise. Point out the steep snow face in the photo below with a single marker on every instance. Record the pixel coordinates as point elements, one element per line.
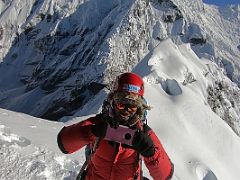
<point>14,13</point>
<point>59,54</point>
<point>186,113</point>
<point>226,38</point>
<point>55,51</point>
<point>214,34</point>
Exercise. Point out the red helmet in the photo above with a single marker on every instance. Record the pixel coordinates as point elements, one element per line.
<point>129,82</point>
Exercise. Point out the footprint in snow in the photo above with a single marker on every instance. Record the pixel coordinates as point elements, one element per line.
<point>204,173</point>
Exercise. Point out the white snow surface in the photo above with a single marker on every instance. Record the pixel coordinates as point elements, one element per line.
<point>200,144</point>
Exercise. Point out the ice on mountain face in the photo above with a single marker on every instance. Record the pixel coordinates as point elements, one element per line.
<point>205,50</point>
<point>159,31</point>
<point>171,87</point>
<point>228,66</point>
<point>196,35</point>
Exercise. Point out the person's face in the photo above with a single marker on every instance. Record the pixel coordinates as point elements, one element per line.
<point>124,112</point>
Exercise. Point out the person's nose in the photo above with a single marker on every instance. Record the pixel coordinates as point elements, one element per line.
<point>125,111</point>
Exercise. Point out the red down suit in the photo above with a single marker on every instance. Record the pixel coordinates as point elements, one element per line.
<point>113,161</point>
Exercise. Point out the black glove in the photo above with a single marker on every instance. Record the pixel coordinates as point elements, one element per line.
<point>143,144</point>
<point>100,129</point>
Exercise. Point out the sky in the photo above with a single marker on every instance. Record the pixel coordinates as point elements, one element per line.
<point>201,147</point>
<point>222,2</point>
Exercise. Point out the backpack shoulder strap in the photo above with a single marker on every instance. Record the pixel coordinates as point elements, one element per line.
<point>145,128</point>
<point>86,163</point>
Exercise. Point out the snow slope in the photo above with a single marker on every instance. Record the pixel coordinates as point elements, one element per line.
<point>29,149</point>
<point>200,144</point>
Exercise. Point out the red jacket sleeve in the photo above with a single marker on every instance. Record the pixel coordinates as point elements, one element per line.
<point>159,165</point>
<point>74,137</point>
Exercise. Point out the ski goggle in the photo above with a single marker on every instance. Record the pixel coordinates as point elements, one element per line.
<point>130,108</point>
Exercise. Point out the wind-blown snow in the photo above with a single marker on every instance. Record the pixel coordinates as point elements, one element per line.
<point>200,144</point>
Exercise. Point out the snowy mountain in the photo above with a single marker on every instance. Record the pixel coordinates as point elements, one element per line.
<point>200,144</point>
<point>58,57</point>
